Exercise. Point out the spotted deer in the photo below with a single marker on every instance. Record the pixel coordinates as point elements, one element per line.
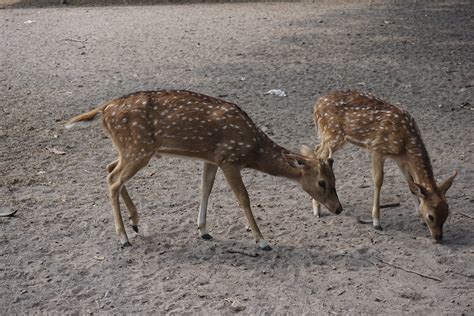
<point>150,124</point>
<point>387,132</point>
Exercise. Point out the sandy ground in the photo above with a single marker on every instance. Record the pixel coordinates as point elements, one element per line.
<point>60,253</point>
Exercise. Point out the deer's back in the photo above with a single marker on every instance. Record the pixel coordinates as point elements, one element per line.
<point>181,123</point>
<point>366,120</point>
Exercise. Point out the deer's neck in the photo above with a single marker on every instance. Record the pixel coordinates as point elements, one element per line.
<point>419,164</point>
<point>271,161</point>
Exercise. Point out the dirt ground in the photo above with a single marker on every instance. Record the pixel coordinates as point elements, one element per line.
<point>60,252</point>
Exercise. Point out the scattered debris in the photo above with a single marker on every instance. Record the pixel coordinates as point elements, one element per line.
<point>55,151</point>
<point>235,305</point>
<point>388,205</point>
<point>29,22</point>
<point>277,92</point>
<point>364,221</point>
<point>73,40</point>
<point>467,215</point>
<point>242,78</point>
<point>5,212</point>
<point>99,258</point>
<point>408,270</point>
<point>253,255</point>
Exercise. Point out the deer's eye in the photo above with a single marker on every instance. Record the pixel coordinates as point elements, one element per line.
<point>322,184</point>
<point>431,218</point>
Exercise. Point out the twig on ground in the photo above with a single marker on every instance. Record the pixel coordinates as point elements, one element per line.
<point>467,215</point>
<point>73,40</point>
<point>462,274</point>
<point>409,271</point>
<point>367,221</point>
<point>389,205</point>
<point>253,255</point>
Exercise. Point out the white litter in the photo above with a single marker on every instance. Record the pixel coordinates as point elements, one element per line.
<point>29,22</point>
<point>277,92</point>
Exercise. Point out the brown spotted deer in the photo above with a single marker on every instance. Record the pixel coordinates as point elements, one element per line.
<point>387,132</point>
<point>150,124</point>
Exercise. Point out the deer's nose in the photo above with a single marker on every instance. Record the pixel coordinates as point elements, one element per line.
<point>339,209</point>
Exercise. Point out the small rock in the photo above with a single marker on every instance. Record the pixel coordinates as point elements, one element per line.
<point>277,92</point>
<point>237,307</point>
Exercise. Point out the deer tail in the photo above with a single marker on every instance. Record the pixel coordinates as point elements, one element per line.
<point>86,118</point>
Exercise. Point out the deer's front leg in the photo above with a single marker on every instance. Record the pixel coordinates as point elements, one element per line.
<point>207,181</point>
<point>316,208</point>
<point>377,174</point>
<point>233,177</point>
<point>406,173</point>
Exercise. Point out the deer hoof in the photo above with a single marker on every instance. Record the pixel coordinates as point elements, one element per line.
<point>378,227</point>
<point>135,228</point>
<point>206,236</point>
<point>126,244</point>
<point>267,248</point>
<point>264,245</point>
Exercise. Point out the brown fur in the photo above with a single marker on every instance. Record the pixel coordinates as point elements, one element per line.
<point>150,124</point>
<point>387,132</point>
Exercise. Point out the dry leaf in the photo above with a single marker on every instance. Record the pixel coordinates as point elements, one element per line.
<point>55,151</point>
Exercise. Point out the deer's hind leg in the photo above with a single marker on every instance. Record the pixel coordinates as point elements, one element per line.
<point>124,170</point>
<point>132,209</point>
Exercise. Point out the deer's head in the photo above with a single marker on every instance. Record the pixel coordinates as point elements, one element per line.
<point>317,178</point>
<point>434,209</point>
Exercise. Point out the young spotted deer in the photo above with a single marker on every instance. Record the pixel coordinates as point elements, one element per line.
<point>387,132</point>
<point>150,124</point>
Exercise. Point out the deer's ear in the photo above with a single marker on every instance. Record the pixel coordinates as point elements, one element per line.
<point>418,190</point>
<point>307,151</point>
<point>295,161</point>
<point>330,162</point>
<point>446,184</point>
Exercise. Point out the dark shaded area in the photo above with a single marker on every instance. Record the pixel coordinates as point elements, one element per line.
<point>95,3</point>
